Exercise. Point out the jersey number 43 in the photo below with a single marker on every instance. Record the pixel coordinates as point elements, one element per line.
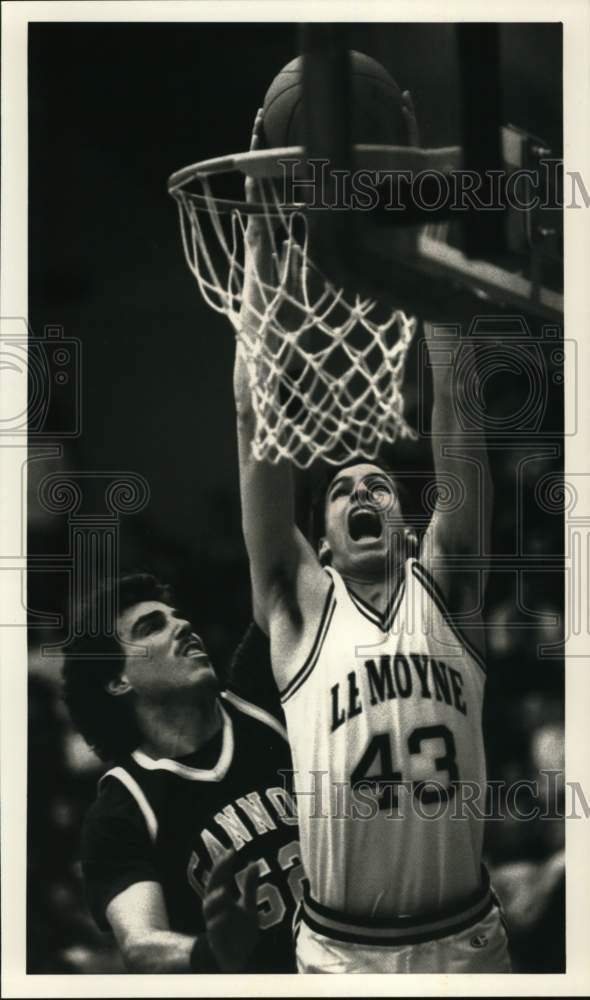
<point>375,770</point>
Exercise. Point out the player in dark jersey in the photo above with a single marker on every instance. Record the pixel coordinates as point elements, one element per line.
<point>190,852</point>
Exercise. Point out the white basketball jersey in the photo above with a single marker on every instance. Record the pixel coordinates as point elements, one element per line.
<point>384,721</point>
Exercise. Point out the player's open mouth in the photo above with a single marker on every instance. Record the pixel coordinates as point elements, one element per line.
<point>193,647</point>
<point>364,524</point>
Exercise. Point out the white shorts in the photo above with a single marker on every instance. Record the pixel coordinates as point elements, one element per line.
<point>482,947</point>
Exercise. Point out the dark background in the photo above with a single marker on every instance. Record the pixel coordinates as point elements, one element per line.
<point>113,110</point>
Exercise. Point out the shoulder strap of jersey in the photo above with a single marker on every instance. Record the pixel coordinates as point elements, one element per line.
<point>311,659</point>
<point>433,590</point>
<point>137,793</point>
<point>340,588</point>
<point>255,712</point>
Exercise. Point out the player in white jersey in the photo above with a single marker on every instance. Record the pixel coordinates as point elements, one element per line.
<point>383,700</point>
<point>387,703</point>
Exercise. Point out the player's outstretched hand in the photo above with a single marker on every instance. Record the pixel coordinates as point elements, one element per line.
<point>256,227</point>
<point>231,924</point>
<point>260,264</point>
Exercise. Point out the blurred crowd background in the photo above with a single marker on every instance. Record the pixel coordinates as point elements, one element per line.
<point>113,110</point>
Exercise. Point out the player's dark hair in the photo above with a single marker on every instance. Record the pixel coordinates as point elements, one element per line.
<point>107,723</point>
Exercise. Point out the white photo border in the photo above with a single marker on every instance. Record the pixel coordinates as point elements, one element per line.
<point>575,17</point>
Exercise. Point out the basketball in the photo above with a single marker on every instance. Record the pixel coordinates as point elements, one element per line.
<point>376,105</point>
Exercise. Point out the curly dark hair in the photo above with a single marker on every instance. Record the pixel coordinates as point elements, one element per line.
<point>107,724</point>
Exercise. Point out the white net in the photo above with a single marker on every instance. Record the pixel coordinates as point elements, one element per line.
<point>325,367</point>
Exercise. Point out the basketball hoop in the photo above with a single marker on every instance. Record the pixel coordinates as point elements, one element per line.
<point>335,357</point>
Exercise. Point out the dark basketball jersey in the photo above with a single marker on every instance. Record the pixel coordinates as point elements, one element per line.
<point>168,821</point>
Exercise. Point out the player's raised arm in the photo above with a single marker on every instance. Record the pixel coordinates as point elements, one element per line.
<point>461,459</point>
<point>279,554</point>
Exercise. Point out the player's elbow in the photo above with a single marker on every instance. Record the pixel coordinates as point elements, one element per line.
<point>151,950</point>
<point>137,954</point>
<point>244,412</point>
<point>242,392</point>
<point>137,947</point>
